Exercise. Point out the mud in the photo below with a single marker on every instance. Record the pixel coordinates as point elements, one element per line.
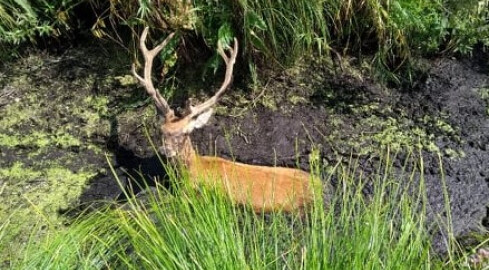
<point>344,115</point>
<point>453,88</point>
<point>450,91</point>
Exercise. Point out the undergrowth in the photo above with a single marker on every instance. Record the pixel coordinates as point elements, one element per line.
<point>24,21</point>
<point>393,32</point>
<point>390,34</point>
<point>188,229</point>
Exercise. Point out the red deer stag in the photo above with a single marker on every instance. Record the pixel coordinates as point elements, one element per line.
<point>266,189</point>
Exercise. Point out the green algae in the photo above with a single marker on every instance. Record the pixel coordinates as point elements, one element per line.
<point>46,149</point>
<point>36,121</point>
<point>14,115</point>
<point>31,198</point>
<point>39,140</point>
<point>17,172</point>
<point>380,128</point>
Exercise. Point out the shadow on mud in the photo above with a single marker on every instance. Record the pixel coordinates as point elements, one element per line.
<point>131,175</point>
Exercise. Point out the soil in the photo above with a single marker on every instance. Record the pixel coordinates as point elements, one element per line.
<point>347,117</point>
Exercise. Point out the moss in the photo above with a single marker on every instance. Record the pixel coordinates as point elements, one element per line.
<point>39,140</point>
<point>31,199</point>
<point>382,128</point>
<point>14,115</point>
<point>17,172</point>
<point>126,80</point>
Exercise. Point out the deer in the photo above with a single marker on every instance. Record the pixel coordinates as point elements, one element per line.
<point>265,189</point>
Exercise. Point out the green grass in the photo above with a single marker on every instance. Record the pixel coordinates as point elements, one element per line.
<point>24,21</point>
<point>389,35</point>
<point>281,32</point>
<point>188,229</point>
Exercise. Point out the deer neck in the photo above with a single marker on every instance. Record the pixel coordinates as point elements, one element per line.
<point>187,155</point>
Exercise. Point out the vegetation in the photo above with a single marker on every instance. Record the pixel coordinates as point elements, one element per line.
<point>25,21</point>
<point>390,33</point>
<point>44,147</point>
<point>188,230</point>
<point>184,229</point>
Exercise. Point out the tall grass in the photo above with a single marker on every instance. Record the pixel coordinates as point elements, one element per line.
<point>276,32</point>
<point>286,31</point>
<point>24,21</point>
<point>398,31</point>
<point>189,229</point>
<point>390,34</point>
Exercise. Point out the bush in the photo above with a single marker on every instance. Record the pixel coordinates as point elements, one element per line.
<point>393,32</point>
<point>24,21</point>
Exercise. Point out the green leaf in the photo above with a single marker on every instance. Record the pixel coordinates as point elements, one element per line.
<point>225,34</point>
<point>252,20</point>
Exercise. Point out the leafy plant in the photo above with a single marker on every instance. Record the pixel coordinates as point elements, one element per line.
<point>398,31</point>
<point>468,25</point>
<point>287,31</point>
<point>24,21</point>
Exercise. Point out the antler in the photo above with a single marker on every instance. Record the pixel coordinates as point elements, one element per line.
<point>229,60</point>
<point>149,55</point>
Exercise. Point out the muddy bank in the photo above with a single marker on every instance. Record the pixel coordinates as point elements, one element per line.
<point>69,110</point>
<point>446,113</point>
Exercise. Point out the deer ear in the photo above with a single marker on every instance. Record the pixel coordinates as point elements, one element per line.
<point>198,121</point>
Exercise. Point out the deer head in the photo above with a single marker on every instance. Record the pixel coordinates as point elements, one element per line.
<point>175,130</point>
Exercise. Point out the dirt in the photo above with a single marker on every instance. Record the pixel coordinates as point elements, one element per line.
<point>343,114</point>
<point>449,94</point>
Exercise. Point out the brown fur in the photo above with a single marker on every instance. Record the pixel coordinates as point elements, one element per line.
<point>266,189</point>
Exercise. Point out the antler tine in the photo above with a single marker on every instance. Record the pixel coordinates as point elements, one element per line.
<point>146,81</point>
<point>229,60</point>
